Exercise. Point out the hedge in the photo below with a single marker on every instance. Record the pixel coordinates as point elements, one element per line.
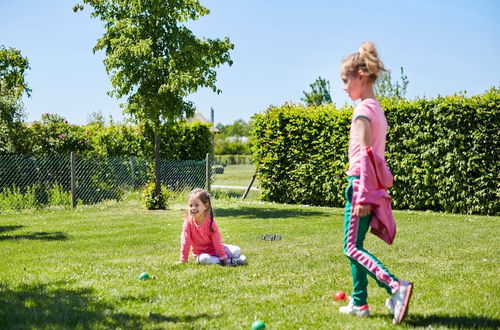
<point>443,152</point>
<point>301,153</point>
<point>54,135</point>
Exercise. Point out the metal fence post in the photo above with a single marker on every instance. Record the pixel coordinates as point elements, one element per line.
<point>249,187</point>
<point>73,180</point>
<point>207,172</point>
<point>132,170</point>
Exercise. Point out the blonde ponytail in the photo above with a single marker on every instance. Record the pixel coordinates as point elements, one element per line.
<point>366,60</point>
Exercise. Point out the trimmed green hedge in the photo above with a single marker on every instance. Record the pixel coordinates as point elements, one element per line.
<point>54,135</point>
<point>301,153</point>
<point>444,153</point>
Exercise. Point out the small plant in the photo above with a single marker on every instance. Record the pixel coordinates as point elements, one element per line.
<point>151,201</point>
<point>58,197</point>
<point>15,200</point>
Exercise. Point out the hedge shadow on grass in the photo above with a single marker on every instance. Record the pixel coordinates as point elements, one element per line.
<point>37,236</point>
<point>9,228</point>
<point>462,322</point>
<point>260,212</point>
<point>54,306</point>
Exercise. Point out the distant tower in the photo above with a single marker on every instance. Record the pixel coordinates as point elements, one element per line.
<point>212,115</point>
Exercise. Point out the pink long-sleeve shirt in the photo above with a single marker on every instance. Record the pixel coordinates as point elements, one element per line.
<point>201,239</point>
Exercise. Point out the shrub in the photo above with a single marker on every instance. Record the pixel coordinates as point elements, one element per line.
<point>184,141</point>
<point>13,199</point>
<point>232,159</point>
<point>57,196</point>
<point>301,153</point>
<point>443,153</point>
<point>115,140</point>
<point>151,201</point>
<point>54,135</point>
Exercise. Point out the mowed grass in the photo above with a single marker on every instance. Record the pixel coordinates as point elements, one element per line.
<point>237,175</point>
<point>79,269</point>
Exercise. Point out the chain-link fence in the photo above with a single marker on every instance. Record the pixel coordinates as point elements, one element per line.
<point>42,180</point>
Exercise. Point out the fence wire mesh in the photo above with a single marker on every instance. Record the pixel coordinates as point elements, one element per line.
<point>47,179</point>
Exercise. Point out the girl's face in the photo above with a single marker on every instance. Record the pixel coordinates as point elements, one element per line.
<point>197,209</point>
<point>352,84</point>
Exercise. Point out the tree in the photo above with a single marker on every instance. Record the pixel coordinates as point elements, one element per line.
<point>154,60</point>
<point>238,128</point>
<point>13,67</point>
<point>386,88</point>
<point>320,93</point>
<point>232,139</point>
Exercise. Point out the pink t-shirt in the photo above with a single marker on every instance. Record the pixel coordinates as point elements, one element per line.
<point>201,239</point>
<point>369,108</point>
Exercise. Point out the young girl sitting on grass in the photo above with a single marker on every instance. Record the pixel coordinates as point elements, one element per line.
<point>200,232</point>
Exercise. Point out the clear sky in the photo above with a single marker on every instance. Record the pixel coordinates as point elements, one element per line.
<point>281,46</point>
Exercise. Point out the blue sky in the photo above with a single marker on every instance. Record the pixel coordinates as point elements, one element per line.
<point>280,48</point>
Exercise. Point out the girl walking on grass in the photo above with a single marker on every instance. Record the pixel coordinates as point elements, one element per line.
<point>201,233</point>
<point>367,200</point>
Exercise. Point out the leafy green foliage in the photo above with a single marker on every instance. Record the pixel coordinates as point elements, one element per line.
<point>54,135</point>
<point>151,201</point>
<point>231,146</point>
<point>153,59</point>
<point>184,141</point>
<point>238,128</point>
<point>233,159</point>
<point>301,153</point>
<point>13,67</point>
<point>443,153</point>
<point>319,94</point>
<point>57,196</point>
<point>385,88</point>
<point>14,199</point>
<point>114,140</point>
<point>232,139</point>
<point>15,138</point>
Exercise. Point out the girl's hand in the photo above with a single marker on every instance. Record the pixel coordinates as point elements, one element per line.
<point>362,210</point>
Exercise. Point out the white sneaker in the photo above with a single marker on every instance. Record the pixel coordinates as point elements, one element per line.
<point>399,302</point>
<point>362,311</point>
<point>241,260</point>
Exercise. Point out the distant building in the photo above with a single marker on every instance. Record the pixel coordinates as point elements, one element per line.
<point>199,118</point>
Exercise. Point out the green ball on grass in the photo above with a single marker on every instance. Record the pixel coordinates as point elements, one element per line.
<point>144,276</point>
<point>257,325</point>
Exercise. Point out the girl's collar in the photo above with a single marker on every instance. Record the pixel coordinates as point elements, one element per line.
<point>192,219</point>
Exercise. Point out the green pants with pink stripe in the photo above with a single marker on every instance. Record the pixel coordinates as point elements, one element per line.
<point>362,262</point>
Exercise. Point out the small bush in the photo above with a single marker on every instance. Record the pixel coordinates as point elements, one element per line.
<point>13,199</point>
<point>153,202</point>
<point>58,197</point>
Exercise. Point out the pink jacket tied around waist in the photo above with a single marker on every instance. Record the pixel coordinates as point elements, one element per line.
<point>371,188</point>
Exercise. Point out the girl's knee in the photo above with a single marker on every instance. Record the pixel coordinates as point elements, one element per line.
<point>232,251</point>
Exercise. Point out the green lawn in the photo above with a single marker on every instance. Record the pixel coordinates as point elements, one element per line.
<point>79,269</point>
<point>237,175</point>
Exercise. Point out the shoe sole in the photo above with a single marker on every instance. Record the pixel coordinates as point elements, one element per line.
<point>406,304</point>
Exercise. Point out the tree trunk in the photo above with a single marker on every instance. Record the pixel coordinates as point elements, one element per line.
<point>157,164</point>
